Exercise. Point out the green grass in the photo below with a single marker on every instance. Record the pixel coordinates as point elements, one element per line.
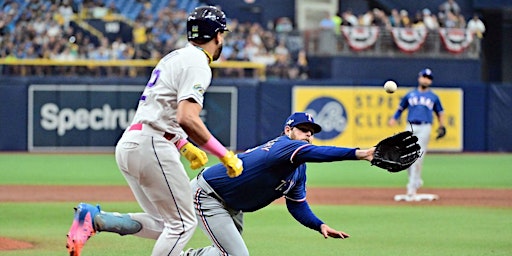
<point>440,170</point>
<point>407,229</point>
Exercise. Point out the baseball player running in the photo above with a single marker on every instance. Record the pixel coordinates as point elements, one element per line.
<point>272,170</point>
<point>148,153</point>
<point>421,102</point>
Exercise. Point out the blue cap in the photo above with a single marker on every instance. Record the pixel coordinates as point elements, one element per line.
<point>427,72</point>
<point>302,118</point>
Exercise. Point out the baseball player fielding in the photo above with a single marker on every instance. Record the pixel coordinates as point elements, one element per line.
<point>390,86</point>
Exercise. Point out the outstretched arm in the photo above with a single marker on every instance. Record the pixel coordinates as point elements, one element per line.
<point>303,214</point>
<point>365,154</point>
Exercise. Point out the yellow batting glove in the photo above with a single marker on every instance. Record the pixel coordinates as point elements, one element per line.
<point>233,164</point>
<point>194,155</point>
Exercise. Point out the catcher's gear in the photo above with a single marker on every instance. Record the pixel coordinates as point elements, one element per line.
<point>194,155</point>
<point>397,153</point>
<point>233,164</point>
<point>441,132</point>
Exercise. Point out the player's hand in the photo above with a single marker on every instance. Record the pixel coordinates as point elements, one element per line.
<point>329,232</point>
<point>441,132</point>
<point>194,155</point>
<point>233,164</point>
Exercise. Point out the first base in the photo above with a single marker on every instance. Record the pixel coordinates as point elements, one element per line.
<point>416,198</point>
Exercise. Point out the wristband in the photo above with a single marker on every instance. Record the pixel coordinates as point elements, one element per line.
<point>179,144</point>
<point>213,146</point>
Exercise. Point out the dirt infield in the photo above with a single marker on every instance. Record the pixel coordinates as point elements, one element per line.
<point>328,196</point>
<point>338,196</point>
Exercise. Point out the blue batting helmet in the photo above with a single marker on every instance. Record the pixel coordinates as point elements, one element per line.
<point>204,22</point>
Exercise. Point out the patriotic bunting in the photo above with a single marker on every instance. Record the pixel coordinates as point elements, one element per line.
<point>455,40</point>
<point>409,39</point>
<point>360,37</point>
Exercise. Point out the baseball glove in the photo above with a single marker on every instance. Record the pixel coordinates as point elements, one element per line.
<point>397,153</point>
<point>441,132</point>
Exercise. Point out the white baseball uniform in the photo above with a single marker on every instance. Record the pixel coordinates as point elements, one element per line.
<point>148,158</point>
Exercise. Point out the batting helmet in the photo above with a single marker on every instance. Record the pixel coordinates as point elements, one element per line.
<point>204,22</point>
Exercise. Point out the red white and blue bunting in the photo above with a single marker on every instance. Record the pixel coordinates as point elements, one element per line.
<point>455,40</point>
<point>409,39</point>
<point>360,38</point>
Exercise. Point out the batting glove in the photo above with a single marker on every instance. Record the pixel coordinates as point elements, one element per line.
<point>194,155</point>
<point>233,164</point>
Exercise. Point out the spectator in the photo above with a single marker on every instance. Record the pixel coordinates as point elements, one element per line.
<point>418,21</point>
<point>99,10</point>
<point>447,7</point>
<point>337,21</point>
<point>395,19</point>
<point>380,19</point>
<point>300,70</point>
<point>405,21</point>
<point>283,25</point>
<point>429,20</point>
<point>66,12</point>
<point>476,26</point>
<point>451,20</point>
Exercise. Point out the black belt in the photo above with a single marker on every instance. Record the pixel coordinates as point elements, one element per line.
<point>418,122</point>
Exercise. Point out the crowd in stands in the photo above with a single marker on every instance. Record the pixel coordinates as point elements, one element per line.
<point>42,29</point>
<point>449,15</point>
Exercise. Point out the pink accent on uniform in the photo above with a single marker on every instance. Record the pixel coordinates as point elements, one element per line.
<point>137,127</point>
<point>181,143</point>
<point>213,146</point>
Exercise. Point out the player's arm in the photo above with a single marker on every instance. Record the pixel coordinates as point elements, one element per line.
<point>188,117</point>
<point>321,154</point>
<point>301,211</point>
<point>401,107</point>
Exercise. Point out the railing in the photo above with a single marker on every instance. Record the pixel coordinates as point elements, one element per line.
<point>326,43</point>
<point>132,68</point>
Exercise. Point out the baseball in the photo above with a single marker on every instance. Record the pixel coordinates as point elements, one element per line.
<point>390,86</point>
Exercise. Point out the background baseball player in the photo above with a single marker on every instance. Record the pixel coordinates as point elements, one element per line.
<point>148,154</point>
<point>272,170</point>
<point>422,103</point>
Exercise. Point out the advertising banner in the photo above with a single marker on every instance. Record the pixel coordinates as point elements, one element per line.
<point>93,117</point>
<point>358,116</point>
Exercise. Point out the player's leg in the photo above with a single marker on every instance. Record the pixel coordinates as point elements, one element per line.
<point>168,189</point>
<point>414,172</point>
<point>161,186</point>
<point>222,226</point>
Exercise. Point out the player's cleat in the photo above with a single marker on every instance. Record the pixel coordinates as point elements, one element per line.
<point>82,228</point>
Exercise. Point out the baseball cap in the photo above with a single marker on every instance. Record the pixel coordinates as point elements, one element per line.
<point>302,118</point>
<point>427,72</point>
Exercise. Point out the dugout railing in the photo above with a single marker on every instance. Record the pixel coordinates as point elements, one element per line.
<point>130,68</point>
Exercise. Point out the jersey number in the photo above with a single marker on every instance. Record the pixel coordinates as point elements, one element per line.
<point>154,77</point>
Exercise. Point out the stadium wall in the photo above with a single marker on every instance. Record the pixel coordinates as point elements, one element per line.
<point>242,112</point>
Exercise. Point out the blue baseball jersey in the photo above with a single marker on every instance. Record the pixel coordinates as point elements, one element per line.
<point>421,106</point>
<point>271,170</point>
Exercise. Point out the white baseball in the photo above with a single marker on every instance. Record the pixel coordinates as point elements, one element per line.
<point>390,86</point>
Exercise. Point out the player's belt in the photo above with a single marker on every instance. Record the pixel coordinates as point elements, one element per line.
<point>139,127</point>
<point>418,122</point>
